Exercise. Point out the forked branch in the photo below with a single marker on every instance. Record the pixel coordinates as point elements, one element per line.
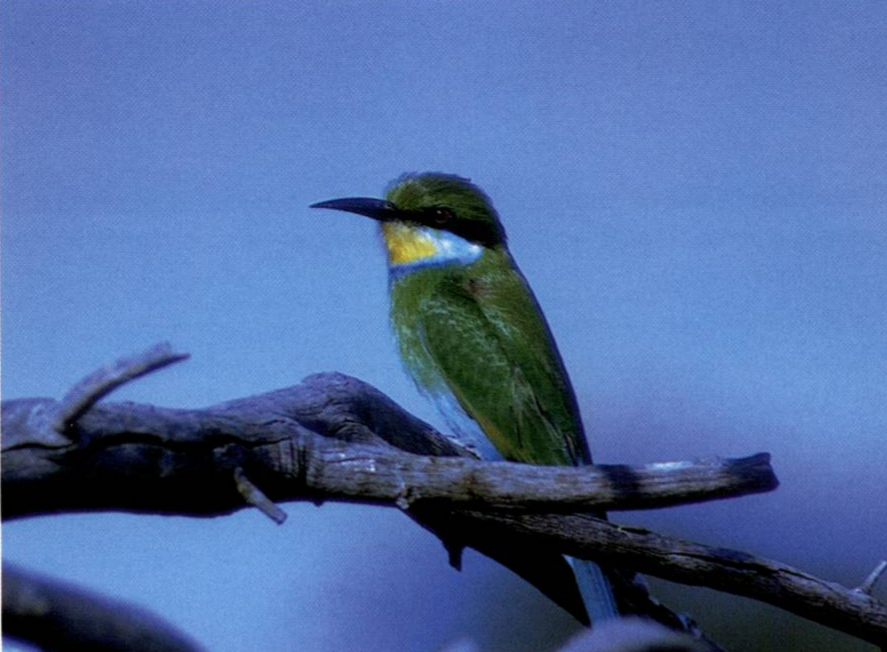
<point>336,438</point>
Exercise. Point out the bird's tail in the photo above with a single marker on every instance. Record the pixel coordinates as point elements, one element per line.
<point>597,593</point>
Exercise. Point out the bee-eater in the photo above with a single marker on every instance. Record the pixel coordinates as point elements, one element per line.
<point>473,337</point>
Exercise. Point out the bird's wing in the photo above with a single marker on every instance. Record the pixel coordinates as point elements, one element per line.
<point>493,348</point>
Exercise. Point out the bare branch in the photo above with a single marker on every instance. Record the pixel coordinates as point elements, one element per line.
<point>827,603</point>
<point>296,445</point>
<point>49,423</point>
<point>868,585</point>
<point>91,389</point>
<point>61,617</point>
<point>335,438</point>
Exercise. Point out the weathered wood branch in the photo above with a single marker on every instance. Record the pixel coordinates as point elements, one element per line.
<point>57,616</point>
<point>851,610</point>
<point>330,438</point>
<point>335,438</point>
<point>90,390</point>
<point>142,458</point>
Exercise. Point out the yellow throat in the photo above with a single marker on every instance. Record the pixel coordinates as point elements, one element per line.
<point>407,244</point>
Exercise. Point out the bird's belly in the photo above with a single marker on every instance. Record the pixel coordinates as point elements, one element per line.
<point>465,429</point>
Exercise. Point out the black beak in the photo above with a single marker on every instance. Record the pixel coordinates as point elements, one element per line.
<point>378,209</point>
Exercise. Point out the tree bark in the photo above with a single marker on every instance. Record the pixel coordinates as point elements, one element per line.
<point>336,438</point>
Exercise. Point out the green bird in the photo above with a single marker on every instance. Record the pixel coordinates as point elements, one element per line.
<point>473,337</point>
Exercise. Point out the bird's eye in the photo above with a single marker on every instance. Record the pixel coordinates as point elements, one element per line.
<point>440,215</point>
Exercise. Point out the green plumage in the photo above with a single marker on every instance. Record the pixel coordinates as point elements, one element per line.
<point>473,337</point>
<point>478,330</point>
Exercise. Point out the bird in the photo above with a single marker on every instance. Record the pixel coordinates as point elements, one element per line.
<point>471,334</point>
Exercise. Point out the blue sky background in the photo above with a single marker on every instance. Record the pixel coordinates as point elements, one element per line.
<point>697,192</point>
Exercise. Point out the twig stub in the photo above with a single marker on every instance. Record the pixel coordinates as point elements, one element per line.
<point>254,496</point>
<point>868,585</point>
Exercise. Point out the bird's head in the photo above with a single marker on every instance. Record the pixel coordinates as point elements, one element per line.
<point>430,218</point>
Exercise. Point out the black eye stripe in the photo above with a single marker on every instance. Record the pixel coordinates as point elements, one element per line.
<point>486,233</point>
<point>440,214</point>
